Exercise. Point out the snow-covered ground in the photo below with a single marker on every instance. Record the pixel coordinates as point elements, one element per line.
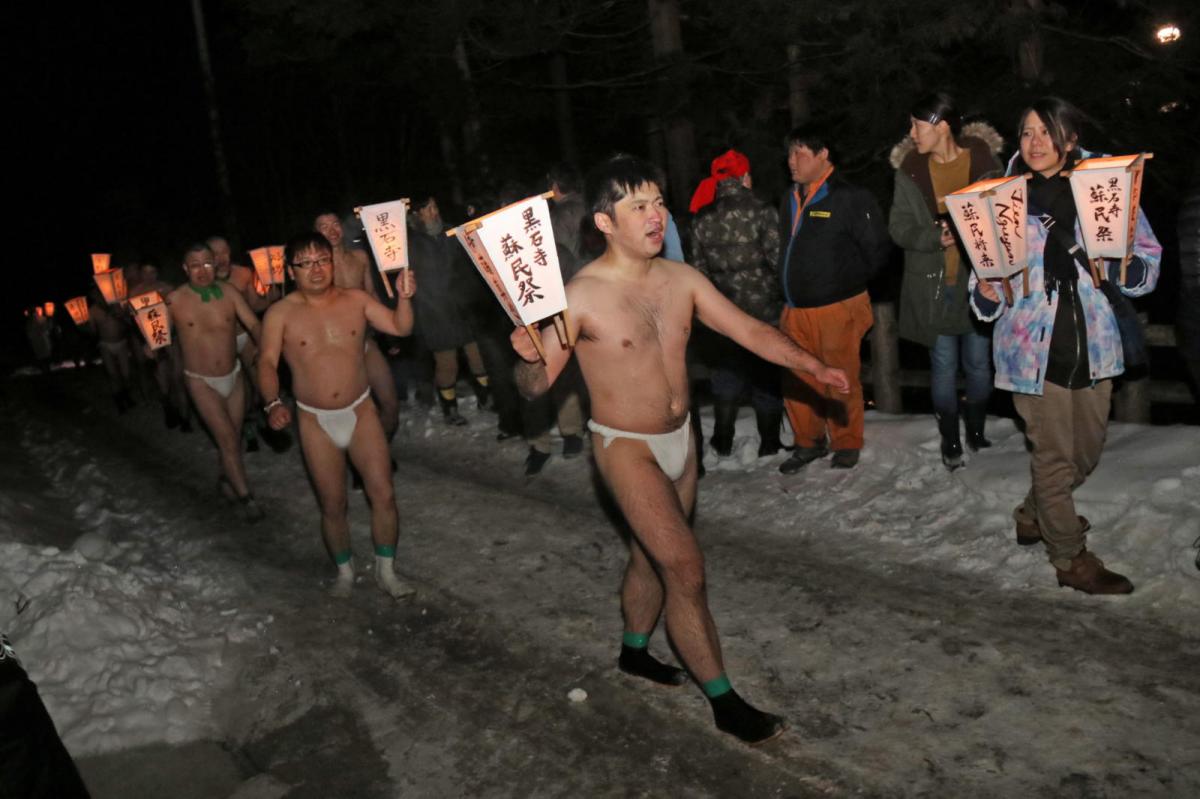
<point>136,622</point>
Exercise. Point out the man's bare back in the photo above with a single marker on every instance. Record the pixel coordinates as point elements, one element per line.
<point>323,345</point>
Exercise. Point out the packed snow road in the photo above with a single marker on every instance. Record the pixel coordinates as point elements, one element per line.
<point>901,674</point>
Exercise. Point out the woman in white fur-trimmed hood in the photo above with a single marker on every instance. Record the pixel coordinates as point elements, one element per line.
<point>939,156</point>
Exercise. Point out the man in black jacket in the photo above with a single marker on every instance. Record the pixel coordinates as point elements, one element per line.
<point>833,240</point>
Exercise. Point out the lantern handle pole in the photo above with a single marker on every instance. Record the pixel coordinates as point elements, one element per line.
<point>536,338</point>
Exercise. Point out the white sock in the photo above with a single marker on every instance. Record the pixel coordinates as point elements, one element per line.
<point>386,579</point>
<point>345,580</point>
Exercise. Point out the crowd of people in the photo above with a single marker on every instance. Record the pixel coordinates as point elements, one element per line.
<point>782,295</point>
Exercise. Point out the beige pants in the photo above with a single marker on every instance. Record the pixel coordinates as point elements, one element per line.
<point>1066,430</point>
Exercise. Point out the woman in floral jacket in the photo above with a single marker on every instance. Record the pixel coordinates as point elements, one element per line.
<point>1057,347</point>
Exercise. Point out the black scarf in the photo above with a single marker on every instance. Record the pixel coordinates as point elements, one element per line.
<point>1053,196</point>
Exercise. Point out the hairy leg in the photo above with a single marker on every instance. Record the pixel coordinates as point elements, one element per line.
<point>651,504</point>
<point>327,467</point>
<point>383,388</point>
<point>369,453</point>
<point>225,432</point>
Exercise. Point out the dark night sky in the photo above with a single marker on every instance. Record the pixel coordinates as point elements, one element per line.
<point>113,141</point>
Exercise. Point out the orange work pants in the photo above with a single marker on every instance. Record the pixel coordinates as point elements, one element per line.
<point>833,333</point>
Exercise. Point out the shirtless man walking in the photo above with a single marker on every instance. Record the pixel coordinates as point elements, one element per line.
<point>633,313</point>
<point>352,270</point>
<point>206,319</point>
<point>319,329</point>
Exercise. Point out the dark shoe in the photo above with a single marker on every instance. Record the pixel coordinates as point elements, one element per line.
<point>1029,533</point>
<point>483,396</point>
<point>450,411</point>
<point>801,457</point>
<point>1087,574</point>
<point>844,459</point>
<point>745,722</point>
<point>952,453</point>
<point>724,421</point>
<point>250,438</point>
<point>535,461</point>
<point>572,446</point>
<point>768,432</point>
<point>975,416</point>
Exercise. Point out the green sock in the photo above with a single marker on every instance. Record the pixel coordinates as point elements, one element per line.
<point>343,557</point>
<point>636,640</point>
<point>385,551</point>
<point>717,687</point>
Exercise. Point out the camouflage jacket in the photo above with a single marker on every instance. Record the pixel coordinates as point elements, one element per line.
<point>734,244</point>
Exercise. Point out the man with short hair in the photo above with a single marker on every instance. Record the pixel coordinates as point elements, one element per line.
<point>631,314</point>
<point>352,270</point>
<point>834,240</point>
<point>320,329</point>
<point>206,319</point>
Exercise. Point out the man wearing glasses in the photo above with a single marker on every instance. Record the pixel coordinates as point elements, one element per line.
<point>206,321</point>
<point>321,330</point>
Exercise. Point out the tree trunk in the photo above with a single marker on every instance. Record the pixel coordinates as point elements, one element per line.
<point>450,159</point>
<point>798,82</point>
<point>1029,44</point>
<point>473,126</point>
<point>229,215</point>
<point>562,110</point>
<point>885,359</point>
<point>674,101</point>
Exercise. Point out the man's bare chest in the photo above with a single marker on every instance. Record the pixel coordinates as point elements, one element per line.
<point>317,333</point>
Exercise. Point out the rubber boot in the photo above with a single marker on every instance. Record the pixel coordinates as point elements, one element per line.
<point>768,431</point>
<point>975,414</point>
<point>449,405</point>
<point>698,439</point>
<point>483,395</point>
<point>952,453</point>
<point>725,417</point>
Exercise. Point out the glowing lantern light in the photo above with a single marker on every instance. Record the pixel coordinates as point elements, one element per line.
<point>153,320</point>
<point>276,259</point>
<point>111,283</point>
<point>1107,192</point>
<point>77,307</point>
<point>259,288</point>
<point>100,262</point>
<point>990,218</point>
<point>145,300</point>
<point>49,308</point>
<point>1168,34</point>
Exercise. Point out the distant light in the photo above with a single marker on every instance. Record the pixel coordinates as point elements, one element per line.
<point>1167,34</point>
<point>1167,108</point>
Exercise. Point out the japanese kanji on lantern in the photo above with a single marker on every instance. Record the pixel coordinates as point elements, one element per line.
<point>384,224</point>
<point>268,265</point>
<point>513,249</point>
<point>152,319</point>
<point>111,283</point>
<point>1107,192</point>
<point>141,301</point>
<point>77,307</point>
<point>100,262</point>
<point>990,218</point>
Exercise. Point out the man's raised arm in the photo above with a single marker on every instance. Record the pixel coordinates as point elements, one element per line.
<point>400,321</point>
<point>765,341</point>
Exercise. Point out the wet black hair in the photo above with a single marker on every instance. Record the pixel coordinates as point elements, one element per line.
<point>1063,121</point>
<point>198,246</point>
<point>308,240</point>
<point>613,179</point>
<point>938,107</point>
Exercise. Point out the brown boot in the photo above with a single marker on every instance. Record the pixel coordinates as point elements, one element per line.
<point>1029,533</point>
<point>1087,574</point>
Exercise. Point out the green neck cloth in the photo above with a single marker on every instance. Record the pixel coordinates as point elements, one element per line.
<point>207,292</point>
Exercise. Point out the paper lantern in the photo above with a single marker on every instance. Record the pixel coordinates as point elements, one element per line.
<point>259,288</point>
<point>513,249</point>
<point>112,285</point>
<point>100,262</point>
<point>387,233</point>
<point>145,300</point>
<point>990,218</point>
<point>49,306</point>
<point>275,256</point>
<point>154,323</point>
<point>1107,192</point>
<point>77,307</point>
